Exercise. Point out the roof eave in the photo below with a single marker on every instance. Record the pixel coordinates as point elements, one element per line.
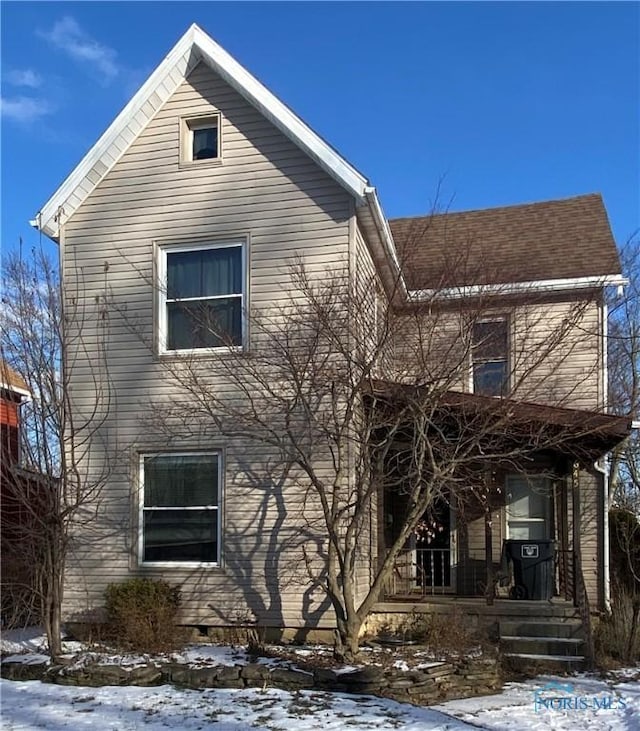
<point>199,46</point>
<point>511,288</point>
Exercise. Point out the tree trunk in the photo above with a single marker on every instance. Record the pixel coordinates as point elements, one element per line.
<point>348,638</point>
<point>488,550</point>
<point>633,632</point>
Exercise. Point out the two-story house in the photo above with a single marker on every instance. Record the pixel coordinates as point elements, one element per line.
<point>190,206</point>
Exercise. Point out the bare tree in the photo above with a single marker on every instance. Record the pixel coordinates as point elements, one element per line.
<point>624,379</point>
<point>355,392</point>
<point>624,474</point>
<point>44,339</point>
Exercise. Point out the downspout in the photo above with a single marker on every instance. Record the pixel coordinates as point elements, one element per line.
<point>604,468</point>
<point>606,568</point>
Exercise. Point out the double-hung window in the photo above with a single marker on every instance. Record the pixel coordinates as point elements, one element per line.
<point>180,508</point>
<point>490,357</point>
<point>202,296</point>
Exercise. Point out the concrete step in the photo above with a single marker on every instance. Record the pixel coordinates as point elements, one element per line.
<point>565,660</point>
<point>553,628</point>
<point>546,646</point>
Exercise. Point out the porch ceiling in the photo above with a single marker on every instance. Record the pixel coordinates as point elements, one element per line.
<point>579,434</point>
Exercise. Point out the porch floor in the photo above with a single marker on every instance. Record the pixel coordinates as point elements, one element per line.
<point>444,603</point>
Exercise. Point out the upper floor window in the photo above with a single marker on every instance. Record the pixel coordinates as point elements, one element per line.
<point>201,138</point>
<point>180,508</point>
<point>490,357</point>
<point>202,296</point>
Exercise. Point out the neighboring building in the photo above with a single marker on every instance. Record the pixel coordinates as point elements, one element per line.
<point>16,518</point>
<point>208,181</point>
<point>13,393</point>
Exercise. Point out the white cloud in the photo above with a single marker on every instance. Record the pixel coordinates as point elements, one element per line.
<point>69,37</point>
<point>23,108</point>
<point>24,77</point>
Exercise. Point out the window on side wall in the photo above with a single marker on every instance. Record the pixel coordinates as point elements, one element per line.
<point>490,357</point>
<point>180,508</point>
<point>202,296</point>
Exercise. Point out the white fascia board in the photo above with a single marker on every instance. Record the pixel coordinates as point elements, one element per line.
<point>15,389</point>
<point>45,219</point>
<point>635,424</point>
<point>542,285</point>
<point>195,39</point>
<point>279,114</point>
<point>384,230</point>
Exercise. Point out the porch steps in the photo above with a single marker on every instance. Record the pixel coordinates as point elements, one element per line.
<point>557,640</point>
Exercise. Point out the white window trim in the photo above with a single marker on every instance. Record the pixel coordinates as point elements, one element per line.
<point>217,508</point>
<point>548,505</point>
<point>162,334</point>
<point>187,127</point>
<point>480,321</point>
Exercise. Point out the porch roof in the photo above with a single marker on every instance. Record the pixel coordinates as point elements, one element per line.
<point>579,434</point>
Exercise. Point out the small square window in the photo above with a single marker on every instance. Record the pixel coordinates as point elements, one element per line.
<point>201,139</point>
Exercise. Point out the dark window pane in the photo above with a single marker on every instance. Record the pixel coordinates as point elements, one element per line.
<point>204,272</point>
<point>490,340</point>
<point>490,379</point>
<point>184,274</point>
<point>207,324</point>
<point>221,271</point>
<point>181,535</point>
<point>181,480</point>
<point>205,143</point>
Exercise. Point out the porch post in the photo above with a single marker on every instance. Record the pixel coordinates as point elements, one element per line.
<point>577,549</point>
<point>488,538</point>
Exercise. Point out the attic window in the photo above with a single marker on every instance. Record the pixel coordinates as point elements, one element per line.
<point>201,139</point>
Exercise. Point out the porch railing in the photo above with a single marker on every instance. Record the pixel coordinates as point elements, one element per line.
<point>421,571</point>
<point>430,571</point>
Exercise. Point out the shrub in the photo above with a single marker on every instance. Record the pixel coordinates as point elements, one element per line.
<point>141,614</point>
<point>617,638</point>
<point>444,634</point>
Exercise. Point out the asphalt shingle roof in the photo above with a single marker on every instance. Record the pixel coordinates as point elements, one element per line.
<point>522,243</point>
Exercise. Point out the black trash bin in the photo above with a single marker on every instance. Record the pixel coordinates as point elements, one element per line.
<point>532,568</point>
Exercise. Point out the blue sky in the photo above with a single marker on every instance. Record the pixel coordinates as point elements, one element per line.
<point>501,102</point>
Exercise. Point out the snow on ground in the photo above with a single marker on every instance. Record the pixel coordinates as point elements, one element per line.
<point>577,703</point>
<point>556,704</point>
<point>27,706</point>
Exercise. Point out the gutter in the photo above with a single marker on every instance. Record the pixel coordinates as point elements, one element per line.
<point>382,225</point>
<point>541,285</point>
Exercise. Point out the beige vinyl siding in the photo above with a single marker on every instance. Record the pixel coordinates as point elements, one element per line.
<point>557,356</point>
<point>591,533</point>
<point>366,285</point>
<point>264,190</point>
<point>555,350</point>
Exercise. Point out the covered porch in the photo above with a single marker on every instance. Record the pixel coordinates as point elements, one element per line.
<point>551,503</point>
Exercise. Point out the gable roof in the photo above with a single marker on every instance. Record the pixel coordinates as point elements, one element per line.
<point>555,240</point>
<point>194,47</point>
